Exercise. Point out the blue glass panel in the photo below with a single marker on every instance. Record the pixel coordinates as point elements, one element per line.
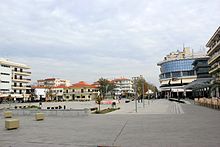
<point>177,65</point>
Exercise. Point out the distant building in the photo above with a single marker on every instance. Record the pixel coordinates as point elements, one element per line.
<point>123,87</point>
<point>214,61</point>
<point>40,93</point>
<point>81,91</point>
<point>201,86</point>
<point>52,82</point>
<point>14,80</point>
<point>176,72</point>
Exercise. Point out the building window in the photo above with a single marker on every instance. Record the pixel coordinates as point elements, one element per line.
<point>5,66</point>
<point>78,96</point>
<point>16,69</point>
<point>176,74</point>
<point>4,89</point>
<point>5,74</point>
<point>73,90</point>
<point>5,82</point>
<point>82,90</point>
<point>83,96</point>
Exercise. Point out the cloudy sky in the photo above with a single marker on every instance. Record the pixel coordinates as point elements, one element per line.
<point>88,39</point>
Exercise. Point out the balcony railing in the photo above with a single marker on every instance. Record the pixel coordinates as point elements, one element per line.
<point>22,72</point>
<point>213,47</point>
<point>22,80</point>
<point>215,67</point>
<point>214,57</point>
<point>21,87</point>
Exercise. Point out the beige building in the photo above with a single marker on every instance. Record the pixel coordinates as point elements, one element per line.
<point>80,91</point>
<point>14,80</point>
<point>214,61</point>
<point>51,82</point>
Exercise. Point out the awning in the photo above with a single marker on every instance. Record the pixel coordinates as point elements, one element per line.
<point>199,84</point>
<point>175,82</point>
<point>165,82</point>
<point>187,80</point>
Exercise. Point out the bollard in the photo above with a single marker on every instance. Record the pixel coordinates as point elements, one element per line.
<point>11,124</point>
<point>39,116</point>
<point>8,114</point>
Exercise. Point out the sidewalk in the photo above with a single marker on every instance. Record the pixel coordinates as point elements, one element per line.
<point>158,106</point>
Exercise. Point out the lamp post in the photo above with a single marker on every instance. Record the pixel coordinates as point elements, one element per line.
<point>142,90</point>
<point>135,89</point>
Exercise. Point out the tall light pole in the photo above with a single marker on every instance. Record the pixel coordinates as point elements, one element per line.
<point>142,90</point>
<point>135,89</point>
<point>143,93</point>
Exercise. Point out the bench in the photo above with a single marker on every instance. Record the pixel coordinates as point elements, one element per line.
<point>8,114</point>
<point>39,116</point>
<point>11,124</point>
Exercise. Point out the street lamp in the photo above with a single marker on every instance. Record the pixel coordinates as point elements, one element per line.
<point>135,89</point>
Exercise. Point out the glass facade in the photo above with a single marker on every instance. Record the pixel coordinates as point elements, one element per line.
<point>177,65</point>
<point>177,68</point>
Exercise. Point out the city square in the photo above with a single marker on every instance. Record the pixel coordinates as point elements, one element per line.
<point>194,126</point>
<point>105,73</point>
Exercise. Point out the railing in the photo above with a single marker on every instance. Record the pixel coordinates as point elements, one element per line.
<point>55,113</point>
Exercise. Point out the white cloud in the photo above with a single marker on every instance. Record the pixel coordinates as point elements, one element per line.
<point>88,39</point>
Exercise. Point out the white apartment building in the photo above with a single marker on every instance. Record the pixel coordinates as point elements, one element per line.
<point>52,82</point>
<point>123,87</point>
<point>14,80</point>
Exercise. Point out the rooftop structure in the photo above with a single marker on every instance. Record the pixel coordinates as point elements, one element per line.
<point>52,82</point>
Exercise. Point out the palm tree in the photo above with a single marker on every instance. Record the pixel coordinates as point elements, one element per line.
<point>105,86</point>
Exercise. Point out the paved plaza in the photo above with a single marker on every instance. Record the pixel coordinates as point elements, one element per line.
<point>162,123</point>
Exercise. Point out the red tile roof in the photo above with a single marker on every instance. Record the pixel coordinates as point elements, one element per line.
<point>82,84</point>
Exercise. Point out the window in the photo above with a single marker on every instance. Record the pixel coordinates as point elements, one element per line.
<point>73,90</point>
<point>16,69</point>
<point>5,66</point>
<point>5,82</point>
<point>4,89</point>
<point>5,73</point>
<point>61,90</point>
<point>88,90</point>
<point>83,96</point>
<point>176,74</point>
<point>82,90</point>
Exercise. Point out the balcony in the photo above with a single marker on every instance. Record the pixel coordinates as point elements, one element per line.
<point>22,80</point>
<point>213,48</point>
<point>21,87</point>
<point>215,68</point>
<point>214,57</point>
<point>23,73</point>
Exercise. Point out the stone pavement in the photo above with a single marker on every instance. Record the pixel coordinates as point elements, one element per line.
<point>197,126</point>
<point>161,106</point>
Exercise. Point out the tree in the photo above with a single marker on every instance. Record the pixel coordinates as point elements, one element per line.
<point>49,94</point>
<point>147,86</point>
<point>105,86</point>
<point>98,101</point>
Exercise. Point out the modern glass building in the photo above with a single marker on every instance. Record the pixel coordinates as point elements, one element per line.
<point>176,72</point>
